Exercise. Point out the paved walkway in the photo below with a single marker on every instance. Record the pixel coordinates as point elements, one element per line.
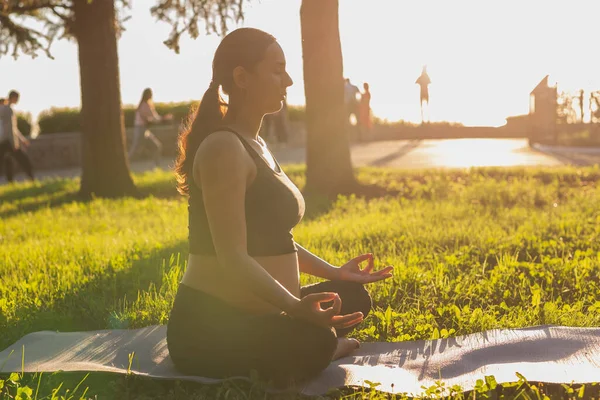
<point>410,154</point>
<point>447,153</point>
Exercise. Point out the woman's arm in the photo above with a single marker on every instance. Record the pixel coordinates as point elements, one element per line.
<point>154,115</point>
<point>313,265</point>
<point>22,138</point>
<point>350,271</point>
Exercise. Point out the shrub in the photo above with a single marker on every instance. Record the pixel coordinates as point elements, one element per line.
<point>59,120</point>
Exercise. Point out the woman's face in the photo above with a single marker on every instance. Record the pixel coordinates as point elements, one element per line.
<point>267,84</point>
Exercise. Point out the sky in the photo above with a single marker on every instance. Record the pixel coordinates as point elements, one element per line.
<point>483,56</point>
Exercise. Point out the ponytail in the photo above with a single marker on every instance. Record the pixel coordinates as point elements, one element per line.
<point>244,47</point>
<point>201,121</point>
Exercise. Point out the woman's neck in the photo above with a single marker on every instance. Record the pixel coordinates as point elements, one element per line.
<point>245,123</point>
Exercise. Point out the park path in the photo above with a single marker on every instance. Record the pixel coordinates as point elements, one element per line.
<point>412,154</point>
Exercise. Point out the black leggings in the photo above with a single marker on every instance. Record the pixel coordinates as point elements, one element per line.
<point>6,151</point>
<point>211,338</point>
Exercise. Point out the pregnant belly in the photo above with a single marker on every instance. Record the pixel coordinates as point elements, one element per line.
<point>206,274</point>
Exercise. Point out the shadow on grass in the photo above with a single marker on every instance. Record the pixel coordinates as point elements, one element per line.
<point>51,193</point>
<point>88,307</point>
<point>22,192</point>
<point>44,194</point>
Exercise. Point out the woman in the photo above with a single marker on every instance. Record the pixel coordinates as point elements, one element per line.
<point>146,114</point>
<point>239,306</point>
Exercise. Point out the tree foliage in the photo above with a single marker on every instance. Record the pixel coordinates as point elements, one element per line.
<point>30,27</point>
<point>184,15</point>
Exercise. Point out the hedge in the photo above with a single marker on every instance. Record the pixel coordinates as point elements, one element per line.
<point>59,120</point>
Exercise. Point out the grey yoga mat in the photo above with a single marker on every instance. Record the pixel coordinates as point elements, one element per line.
<point>552,354</point>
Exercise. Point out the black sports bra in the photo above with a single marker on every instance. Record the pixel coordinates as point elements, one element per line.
<point>274,205</point>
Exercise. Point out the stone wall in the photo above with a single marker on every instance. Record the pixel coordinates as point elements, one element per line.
<point>63,150</point>
<point>60,150</point>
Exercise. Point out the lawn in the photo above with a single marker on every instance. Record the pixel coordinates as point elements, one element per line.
<point>472,249</point>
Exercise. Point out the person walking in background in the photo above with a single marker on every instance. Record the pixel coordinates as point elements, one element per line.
<point>423,81</point>
<point>351,100</point>
<point>12,141</point>
<point>20,156</point>
<point>351,93</point>
<point>364,113</point>
<point>144,115</point>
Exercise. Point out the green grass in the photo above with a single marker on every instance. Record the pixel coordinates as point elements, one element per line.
<point>472,249</point>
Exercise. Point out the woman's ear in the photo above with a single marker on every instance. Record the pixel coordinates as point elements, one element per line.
<point>240,77</point>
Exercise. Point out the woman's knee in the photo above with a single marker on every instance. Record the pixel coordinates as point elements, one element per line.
<point>327,340</point>
<point>321,343</point>
<point>364,299</point>
<point>355,296</point>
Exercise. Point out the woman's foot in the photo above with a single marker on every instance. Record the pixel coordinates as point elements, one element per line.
<point>345,346</point>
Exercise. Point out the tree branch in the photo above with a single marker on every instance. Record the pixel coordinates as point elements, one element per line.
<point>27,40</point>
<point>56,16</point>
<point>21,7</point>
<point>63,17</point>
<point>184,16</point>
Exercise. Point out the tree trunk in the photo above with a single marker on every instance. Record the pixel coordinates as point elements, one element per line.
<point>329,167</point>
<point>105,165</point>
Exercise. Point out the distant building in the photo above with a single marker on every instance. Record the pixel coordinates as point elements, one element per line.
<point>542,112</point>
<point>519,124</point>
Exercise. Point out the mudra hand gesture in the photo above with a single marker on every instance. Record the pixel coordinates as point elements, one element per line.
<point>309,309</point>
<point>352,272</point>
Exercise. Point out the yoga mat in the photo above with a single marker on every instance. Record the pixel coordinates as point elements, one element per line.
<point>552,354</point>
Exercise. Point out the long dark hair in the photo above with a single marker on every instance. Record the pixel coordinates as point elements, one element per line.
<point>146,96</point>
<point>244,47</point>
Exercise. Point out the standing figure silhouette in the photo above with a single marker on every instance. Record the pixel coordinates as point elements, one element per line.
<point>423,81</point>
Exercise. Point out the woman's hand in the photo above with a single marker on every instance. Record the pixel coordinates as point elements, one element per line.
<point>351,271</point>
<point>309,309</point>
